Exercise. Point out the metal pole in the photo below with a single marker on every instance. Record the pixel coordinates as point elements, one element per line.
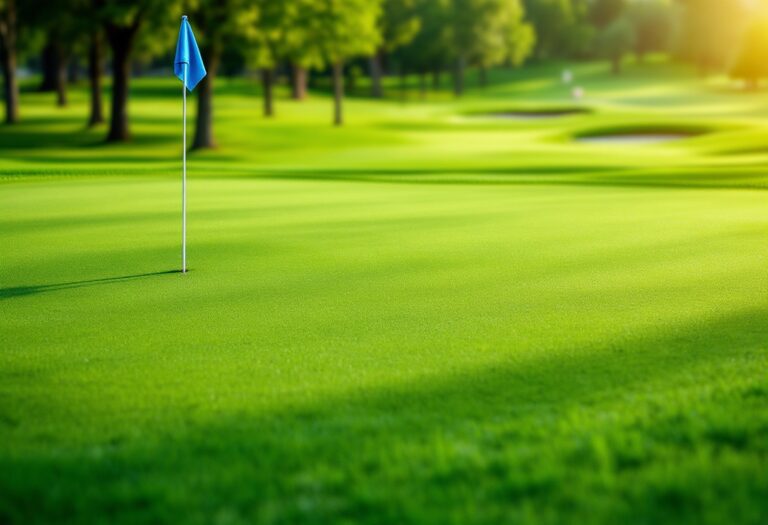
<point>184,177</point>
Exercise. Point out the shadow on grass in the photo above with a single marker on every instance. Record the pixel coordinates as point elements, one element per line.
<point>406,173</point>
<point>36,134</point>
<point>749,177</point>
<point>16,291</point>
<point>147,160</point>
<point>224,87</point>
<point>652,429</point>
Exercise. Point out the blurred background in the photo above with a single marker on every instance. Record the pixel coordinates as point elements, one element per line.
<point>361,48</point>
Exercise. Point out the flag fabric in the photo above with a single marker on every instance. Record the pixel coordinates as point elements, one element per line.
<point>188,53</point>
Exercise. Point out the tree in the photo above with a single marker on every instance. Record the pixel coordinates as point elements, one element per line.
<point>95,73</point>
<point>301,50</point>
<point>121,34</point>
<point>299,47</point>
<point>752,62</point>
<point>48,66</point>
<point>430,50</point>
<point>560,27</point>
<point>217,24</point>
<point>70,27</point>
<point>343,29</point>
<point>520,37</point>
<point>273,23</point>
<point>61,22</point>
<point>466,23</point>
<point>603,13</point>
<point>60,49</point>
<point>8,39</point>
<point>398,24</point>
<point>122,20</point>
<point>615,41</point>
<point>652,21</point>
<point>508,38</point>
<point>90,33</point>
<point>481,33</point>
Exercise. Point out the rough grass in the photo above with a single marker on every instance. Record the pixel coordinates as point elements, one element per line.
<point>419,318</point>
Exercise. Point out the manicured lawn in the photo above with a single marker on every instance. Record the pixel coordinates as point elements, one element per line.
<point>428,316</point>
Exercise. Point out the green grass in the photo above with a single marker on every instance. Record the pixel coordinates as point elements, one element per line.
<point>428,316</point>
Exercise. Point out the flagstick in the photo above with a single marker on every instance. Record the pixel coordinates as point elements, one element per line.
<point>184,177</point>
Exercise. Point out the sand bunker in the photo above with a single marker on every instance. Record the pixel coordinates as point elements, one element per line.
<point>633,138</point>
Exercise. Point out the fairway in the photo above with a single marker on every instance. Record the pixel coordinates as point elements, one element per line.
<point>429,316</point>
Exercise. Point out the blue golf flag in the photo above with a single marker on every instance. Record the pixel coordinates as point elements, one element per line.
<point>188,53</point>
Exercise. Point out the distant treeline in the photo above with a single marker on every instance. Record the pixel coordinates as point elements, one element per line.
<point>346,38</point>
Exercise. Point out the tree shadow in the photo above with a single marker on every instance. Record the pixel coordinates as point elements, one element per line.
<point>38,133</point>
<point>402,173</point>
<point>588,176</point>
<point>17,291</point>
<point>541,434</point>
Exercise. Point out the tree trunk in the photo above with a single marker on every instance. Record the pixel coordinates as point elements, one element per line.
<point>266,85</point>
<point>121,41</point>
<point>338,93</point>
<point>95,61</point>
<point>377,90</point>
<point>423,84</point>
<point>299,85</point>
<point>204,124</point>
<point>483,76</point>
<point>616,65</point>
<point>73,72</point>
<point>61,78</point>
<point>350,81</point>
<point>8,56</point>
<point>403,82</point>
<point>436,78</point>
<point>48,65</point>
<point>458,77</point>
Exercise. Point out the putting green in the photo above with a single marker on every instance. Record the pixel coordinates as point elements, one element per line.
<point>421,318</point>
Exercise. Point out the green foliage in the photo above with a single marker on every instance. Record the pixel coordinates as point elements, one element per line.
<point>559,26</point>
<point>273,24</point>
<point>615,41</point>
<point>343,29</point>
<point>154,22</point>
<point>431,47</point>
<point>488,32</point>
<point>148,14</point>
<point>300,46</point>
<point>219,24</point>
<point>603,12</point>
<point>653,22</point>
<point>67,22</point>
<point>507,37</point>
<point>520,35</point>
<point>399,23</point>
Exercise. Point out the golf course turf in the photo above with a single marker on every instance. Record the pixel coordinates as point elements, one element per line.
<point>425,316</point>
